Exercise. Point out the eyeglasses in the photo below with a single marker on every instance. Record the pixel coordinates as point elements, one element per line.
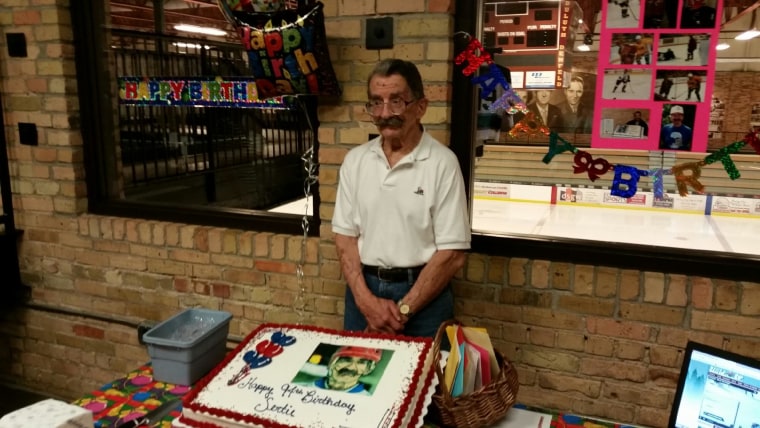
<point>395,105</point>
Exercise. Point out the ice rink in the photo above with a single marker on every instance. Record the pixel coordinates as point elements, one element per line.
<point>615,17</point>
<point>692,231</point>
<point>639,88</point>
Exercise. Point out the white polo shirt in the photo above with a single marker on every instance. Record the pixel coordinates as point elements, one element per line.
<point>405,214</point>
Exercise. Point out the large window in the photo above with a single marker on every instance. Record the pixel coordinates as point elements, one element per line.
<point>531,198</point>
<point>233,166</point>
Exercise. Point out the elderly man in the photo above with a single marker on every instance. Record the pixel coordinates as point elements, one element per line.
<point>401,218</point>
<point>676,135</point>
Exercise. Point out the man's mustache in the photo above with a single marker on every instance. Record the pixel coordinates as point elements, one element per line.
<point>347,372</point>
<point>392,122</point>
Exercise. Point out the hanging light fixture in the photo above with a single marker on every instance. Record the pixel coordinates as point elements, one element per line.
<point>752,32</point>
<point>749,34</point>
<point>209,31</point>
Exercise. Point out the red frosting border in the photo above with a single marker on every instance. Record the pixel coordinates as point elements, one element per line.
<point>266,423</point>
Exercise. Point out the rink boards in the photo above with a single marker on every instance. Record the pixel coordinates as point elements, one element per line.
<point>701,222</point>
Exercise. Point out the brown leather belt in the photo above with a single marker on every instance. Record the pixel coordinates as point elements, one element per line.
<point>392,274</point>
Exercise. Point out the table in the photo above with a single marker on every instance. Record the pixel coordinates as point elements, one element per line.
<point>131,397</point>
<point>137,393</point>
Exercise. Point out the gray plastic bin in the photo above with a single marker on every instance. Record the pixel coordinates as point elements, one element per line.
<point>188,345</point>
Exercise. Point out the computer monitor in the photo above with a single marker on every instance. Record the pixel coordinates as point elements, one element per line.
<point>716,388</point>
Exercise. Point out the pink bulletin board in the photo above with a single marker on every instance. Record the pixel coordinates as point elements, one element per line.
<point>689,64</point>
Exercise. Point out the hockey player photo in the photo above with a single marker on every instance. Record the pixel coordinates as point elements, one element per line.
<point>698,14</point>
<point>632,48</point>
<point>624,80</point>
<point>684,48</point>
<point>694,85</point>
<point>627,84</point>
<point>664,86</point>
<point>660,13</point>
<point>623,13</point>
<point>680,85</point>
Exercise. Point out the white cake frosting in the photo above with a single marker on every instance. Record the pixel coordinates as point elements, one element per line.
<point>278,377</point>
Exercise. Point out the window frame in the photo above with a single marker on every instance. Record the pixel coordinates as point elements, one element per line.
<point>96,111</point>
<point>713,264</point>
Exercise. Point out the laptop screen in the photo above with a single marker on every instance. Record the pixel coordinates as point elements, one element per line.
<point>716,389</point>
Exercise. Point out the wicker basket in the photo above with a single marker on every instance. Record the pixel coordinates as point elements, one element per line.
<point>481,408</point>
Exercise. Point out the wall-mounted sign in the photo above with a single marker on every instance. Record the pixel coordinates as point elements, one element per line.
<point>532,36</point>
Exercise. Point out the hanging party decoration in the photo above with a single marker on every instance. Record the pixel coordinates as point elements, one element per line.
<point>555,148</point>
<point>595,168</point>
<point>724,155</point>
<point>530,125</point>
<point>287,50</point>
<point>684,180</point>
<point>626,178</point>
<point>753,141</point>
<point>229,6</point>
<point>177,91</point>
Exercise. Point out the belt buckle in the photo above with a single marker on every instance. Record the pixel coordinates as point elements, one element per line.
<point>380,275</point>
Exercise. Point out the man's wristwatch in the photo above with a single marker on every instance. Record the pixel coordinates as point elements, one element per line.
<point>405,309</point>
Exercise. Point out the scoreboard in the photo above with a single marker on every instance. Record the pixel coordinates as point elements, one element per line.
<point>533,36</point>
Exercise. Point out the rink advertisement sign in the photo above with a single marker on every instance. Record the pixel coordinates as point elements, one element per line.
<point>655,72</point>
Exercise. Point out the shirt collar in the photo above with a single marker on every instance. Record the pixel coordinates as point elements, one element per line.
<point>421,152</point>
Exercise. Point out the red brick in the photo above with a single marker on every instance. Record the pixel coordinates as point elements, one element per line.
<point>88,331</point>
<point>272,266</point>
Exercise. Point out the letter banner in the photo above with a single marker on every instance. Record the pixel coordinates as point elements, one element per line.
<point>193,91</point>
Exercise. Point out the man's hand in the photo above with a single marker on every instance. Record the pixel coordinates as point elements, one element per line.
<point>382,316</point>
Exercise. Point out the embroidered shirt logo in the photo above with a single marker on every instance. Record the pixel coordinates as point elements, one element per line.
<point>419,191</point>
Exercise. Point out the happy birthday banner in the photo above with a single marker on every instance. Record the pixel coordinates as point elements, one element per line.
<point>626,178</point>
<point>207,92</point>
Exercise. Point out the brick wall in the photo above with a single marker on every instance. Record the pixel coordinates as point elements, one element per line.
<point>595,340</point>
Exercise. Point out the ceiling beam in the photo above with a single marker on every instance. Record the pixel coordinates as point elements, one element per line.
<point>746,10</point>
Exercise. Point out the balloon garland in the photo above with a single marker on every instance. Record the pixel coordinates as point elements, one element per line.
<point>626,177</point>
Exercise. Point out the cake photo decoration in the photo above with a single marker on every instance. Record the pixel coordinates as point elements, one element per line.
<point>268,349</point>
<point>282,339</point>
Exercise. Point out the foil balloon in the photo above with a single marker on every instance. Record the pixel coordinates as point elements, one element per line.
<point>287,51</point>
